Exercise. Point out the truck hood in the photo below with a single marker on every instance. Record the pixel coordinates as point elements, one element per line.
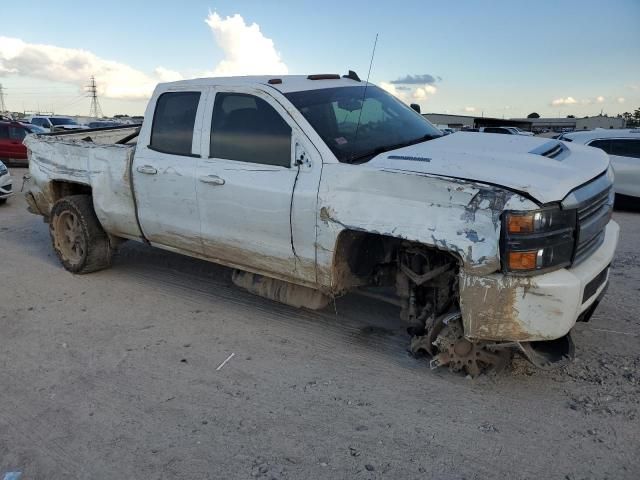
<point>546,170</point>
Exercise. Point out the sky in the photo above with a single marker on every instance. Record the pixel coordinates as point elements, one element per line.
<point>492,58</point>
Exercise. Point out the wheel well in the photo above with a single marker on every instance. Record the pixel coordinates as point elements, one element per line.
<point>422,278</point>
<point>61,189</point>
<point>359,256</point>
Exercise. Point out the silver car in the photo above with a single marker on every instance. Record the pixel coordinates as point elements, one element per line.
<point>6,189</point>
<point>623,147</point>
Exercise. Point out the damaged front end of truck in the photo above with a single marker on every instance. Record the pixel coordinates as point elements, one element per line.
<point>480,272</point>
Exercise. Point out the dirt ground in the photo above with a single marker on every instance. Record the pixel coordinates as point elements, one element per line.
<point>114,375</point>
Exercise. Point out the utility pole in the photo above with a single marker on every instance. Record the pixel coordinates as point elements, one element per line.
<point>95,110</point>
<point>3,107</point>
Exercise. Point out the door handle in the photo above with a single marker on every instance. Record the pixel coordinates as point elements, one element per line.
<point>212,180</point>
<point>148,169</point>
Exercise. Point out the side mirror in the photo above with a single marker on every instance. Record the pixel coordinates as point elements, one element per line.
<point>416,107</point>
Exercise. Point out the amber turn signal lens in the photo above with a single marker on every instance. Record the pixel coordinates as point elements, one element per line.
<point>520,223</point>
<point>523,260</point>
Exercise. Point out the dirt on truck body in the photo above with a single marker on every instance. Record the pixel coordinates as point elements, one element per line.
<point>489,245</point>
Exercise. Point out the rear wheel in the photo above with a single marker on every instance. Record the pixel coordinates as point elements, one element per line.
<point>78,239</point>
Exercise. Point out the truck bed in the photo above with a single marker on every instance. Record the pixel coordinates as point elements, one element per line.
<point>90,158</point>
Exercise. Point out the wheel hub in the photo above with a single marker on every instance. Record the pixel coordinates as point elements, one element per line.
<point>448,347</point>
<point>69,237</point>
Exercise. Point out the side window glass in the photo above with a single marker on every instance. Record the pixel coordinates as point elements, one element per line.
<point>173,122</point>
<point>4,131</point>
<point>603,145</point>
<point>16,133</point>
<point>626,148</point>
<point>247,129</point>
<point>36,121</point>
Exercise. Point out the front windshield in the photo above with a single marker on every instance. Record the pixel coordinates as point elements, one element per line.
<point>62,121</point>
<point>385,122</point>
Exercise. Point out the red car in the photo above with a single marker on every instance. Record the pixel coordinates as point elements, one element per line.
<point>11,136</point>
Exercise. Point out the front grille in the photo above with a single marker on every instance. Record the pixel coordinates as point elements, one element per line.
<point>594,211</point>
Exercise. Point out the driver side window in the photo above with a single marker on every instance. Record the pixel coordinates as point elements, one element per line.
<point>247,129</point>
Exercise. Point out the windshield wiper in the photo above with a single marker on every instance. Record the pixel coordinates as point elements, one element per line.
<point>386,148</point>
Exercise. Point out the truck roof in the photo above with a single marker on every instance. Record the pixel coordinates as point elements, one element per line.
<point>282,83</point>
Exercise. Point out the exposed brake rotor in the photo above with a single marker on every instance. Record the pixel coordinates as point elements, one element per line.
<point>446,343</point>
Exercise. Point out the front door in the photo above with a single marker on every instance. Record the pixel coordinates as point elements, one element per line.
<point>164,170</point>
<point>257,206</point>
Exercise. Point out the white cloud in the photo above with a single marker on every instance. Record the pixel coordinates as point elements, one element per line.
<point>75,66</point>
<point>247,51</point>
<point>413,94</point>
<point>600,99</point>
<point>563,101</point>
<point>470,109</point>
<point>620,100</point>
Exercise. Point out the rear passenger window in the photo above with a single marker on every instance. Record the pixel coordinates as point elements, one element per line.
<point>4,131</point>
<point>173,121</point>
<point>247,129</point>
<point>602,145</point>
<point>17,133</point>
<point>626,147</point>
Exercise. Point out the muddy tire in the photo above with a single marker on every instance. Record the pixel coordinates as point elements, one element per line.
<point>3,201</point>
<point>77,236</point>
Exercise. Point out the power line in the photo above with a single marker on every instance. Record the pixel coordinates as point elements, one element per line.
<point>95,111</point>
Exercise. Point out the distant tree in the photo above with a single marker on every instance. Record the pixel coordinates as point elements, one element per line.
<point>571,116</point>
<point>533,115</point>
<point>632,119</point>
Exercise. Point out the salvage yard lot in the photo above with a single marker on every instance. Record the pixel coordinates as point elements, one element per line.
<point>113,375</point>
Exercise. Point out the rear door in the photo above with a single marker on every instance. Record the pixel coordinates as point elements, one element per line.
<point>257,207</point>
<point>164,169</point>
<point>625,160</point>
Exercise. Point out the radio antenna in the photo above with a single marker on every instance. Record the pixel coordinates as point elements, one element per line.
<point>364,93</point>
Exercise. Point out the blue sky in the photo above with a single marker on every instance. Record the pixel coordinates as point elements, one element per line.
<point>503,58</point>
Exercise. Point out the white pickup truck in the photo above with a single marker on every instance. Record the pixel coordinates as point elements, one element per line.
<point>314,186</point>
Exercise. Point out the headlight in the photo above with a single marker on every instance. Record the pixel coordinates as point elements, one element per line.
<point>3,169</point>
<point>537,239</point>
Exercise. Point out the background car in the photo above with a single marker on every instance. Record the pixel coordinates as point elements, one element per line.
<point>104,124</point>
<point>52,123</point>
<point>11,148</point>
<point>517,131</point>
<point>623,147</point>
<point>502,130</point>
<point>6,189</point>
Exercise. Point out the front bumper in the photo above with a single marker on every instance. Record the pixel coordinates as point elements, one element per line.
<point>501,307</point>
<point>6,187</point>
